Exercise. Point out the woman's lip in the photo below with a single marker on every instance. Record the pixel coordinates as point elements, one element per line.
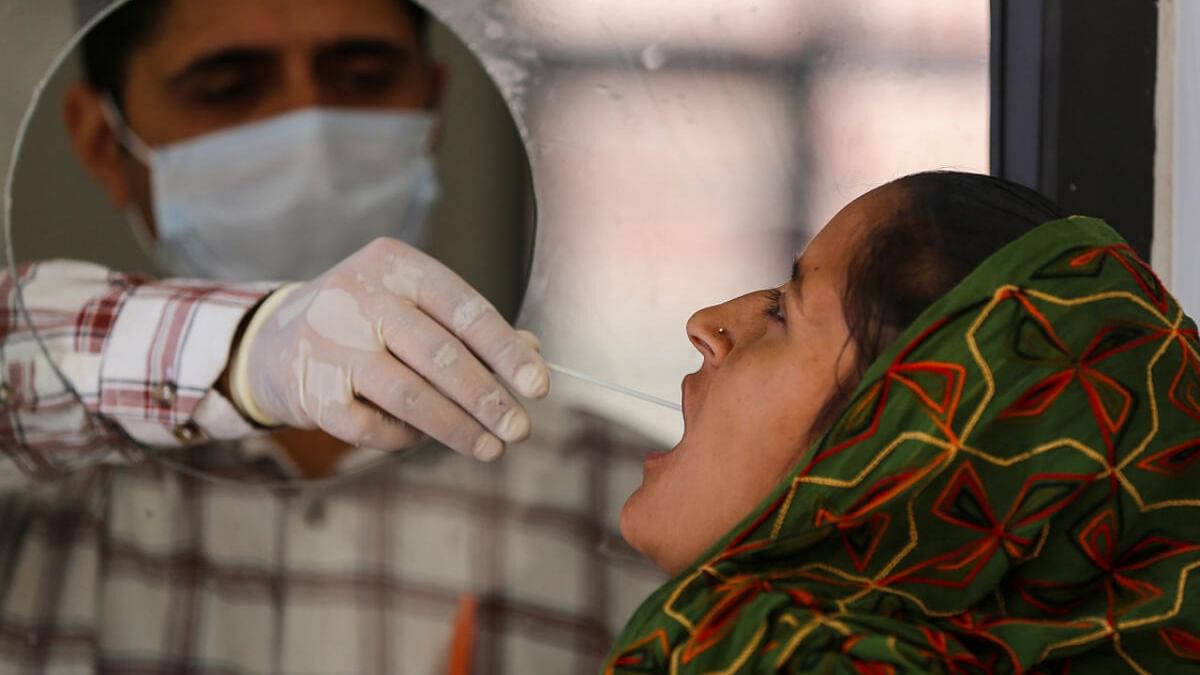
<point>654,458</point>
<point>656,462</point>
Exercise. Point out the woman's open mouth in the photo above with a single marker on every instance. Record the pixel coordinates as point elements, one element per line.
<point>687,400</point>
<point>654,459</point>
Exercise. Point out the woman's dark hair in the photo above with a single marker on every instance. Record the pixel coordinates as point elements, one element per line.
<point>947,224</point>
<point>106,48</point>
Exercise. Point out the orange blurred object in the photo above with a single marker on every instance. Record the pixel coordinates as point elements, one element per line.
<point>463,645</point>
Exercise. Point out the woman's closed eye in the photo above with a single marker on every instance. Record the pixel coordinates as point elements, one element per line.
<point>774,308</point>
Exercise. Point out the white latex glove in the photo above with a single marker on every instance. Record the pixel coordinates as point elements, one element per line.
<point>387,343</point>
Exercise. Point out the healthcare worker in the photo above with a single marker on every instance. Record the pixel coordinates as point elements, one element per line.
<point>240,159</point>
<point>283,140</point>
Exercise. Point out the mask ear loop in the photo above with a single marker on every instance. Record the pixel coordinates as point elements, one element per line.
<point>134,145</point>
<point>125,135</point>
<point>142,235</point>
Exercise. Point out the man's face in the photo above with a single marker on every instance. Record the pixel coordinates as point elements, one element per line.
<point>215,64</point>
<point>209,65</point>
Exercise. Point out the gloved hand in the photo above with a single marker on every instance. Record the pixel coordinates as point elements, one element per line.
<point>385,345</point>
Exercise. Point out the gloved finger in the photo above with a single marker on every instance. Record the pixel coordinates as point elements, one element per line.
<point>463,311</point>
<point>426,347</point>
<point>390,385</point>
<point>388,433</point>
<point>531,340</point>
<point>362,425</point>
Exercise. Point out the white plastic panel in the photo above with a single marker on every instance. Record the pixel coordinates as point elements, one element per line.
<point>681,151</point>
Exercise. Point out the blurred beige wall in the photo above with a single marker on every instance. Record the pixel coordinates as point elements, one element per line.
<point>479,224</point>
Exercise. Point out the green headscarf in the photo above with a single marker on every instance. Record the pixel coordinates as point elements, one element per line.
<point>1014,486</point>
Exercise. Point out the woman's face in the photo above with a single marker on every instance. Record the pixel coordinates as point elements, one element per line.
<point>771,360</point>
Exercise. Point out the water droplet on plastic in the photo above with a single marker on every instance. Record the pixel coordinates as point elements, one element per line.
<point>607,92</point>
<point>653,57</point>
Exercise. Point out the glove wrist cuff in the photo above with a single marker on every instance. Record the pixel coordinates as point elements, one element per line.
<point>239,381</point>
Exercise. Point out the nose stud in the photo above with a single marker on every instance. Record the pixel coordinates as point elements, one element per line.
<point>720,331</point>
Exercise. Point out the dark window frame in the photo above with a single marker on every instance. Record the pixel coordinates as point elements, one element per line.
<point>1073,111</point>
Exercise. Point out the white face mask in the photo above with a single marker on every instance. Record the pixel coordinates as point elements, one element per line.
<point>287,198</point>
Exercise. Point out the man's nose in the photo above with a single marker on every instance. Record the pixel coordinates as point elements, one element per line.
<point>302,90</point>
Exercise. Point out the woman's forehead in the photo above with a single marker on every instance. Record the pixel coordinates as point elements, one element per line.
<point>872,208</point>
<point>856,220</point>
<point>828,255</point>
<point>834,241</point>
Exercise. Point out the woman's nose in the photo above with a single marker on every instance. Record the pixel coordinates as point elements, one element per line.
<point>711,337</point>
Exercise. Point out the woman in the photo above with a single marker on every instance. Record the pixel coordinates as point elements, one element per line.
<point>957,440</point>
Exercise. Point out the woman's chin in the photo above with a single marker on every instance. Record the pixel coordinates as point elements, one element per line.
<point>646,534</point>
<point>631,529</point>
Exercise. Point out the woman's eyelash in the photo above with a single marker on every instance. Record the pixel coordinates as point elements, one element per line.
<point>774,305</point>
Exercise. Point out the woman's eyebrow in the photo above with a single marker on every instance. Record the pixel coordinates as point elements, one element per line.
<point>797,275</point>
<point>796,282</point>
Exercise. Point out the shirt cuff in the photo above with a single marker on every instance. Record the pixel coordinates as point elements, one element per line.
<point>169,344</point>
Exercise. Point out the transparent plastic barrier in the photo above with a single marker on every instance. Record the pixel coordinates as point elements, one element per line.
<point>681,153</point>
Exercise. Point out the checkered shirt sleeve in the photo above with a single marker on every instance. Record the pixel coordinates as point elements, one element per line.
<point>95,358</point>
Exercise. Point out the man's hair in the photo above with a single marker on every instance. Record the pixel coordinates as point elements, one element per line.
<point>107,47</point>
<point>948,223</point>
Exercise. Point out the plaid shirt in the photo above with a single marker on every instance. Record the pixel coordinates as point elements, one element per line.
<point>186,559</point>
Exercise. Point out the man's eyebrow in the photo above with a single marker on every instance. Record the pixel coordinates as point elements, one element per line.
<point>364,46</point>
<point>797,275</point>
<point>224,59</point>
